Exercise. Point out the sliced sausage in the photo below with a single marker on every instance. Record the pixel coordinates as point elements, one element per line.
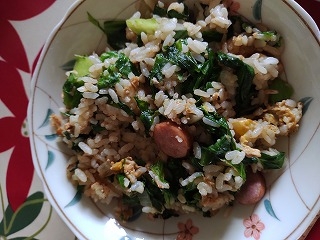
<point>253,189</point>
<point>172,139</point>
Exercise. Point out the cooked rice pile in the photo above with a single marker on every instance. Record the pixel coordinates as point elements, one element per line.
<point>116,155</point>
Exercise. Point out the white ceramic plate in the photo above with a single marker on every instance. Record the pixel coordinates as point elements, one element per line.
<point>292,200</point>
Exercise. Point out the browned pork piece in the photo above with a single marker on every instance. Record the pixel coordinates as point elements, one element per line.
<point>253,189</point>
<point>172,139</point>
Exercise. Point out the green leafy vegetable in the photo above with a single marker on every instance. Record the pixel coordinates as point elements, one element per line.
<point>108,55</point>
<point>212,36</point>
<point>68,66</point>
<point>133,203</point>
<point>120,178</point>
<point>268,161</point>
<point>146,115</point>
<point>192,195</point>
<point>269,35</point>
<point>246,90</point>
<point>175,172</point>
<point>180,34</point>
<point>156,71</point>
<point>71,96</point>
<point>209,71</point>
<point>159,11</point>
<point>240,169</point>
<point>122,67</point>
<point>175,14</point>
<point>155,193</point>
<point>163,12</point>
<point>158,169</point>
<point>220,128</point>
<point>272,161</point>
<point>97,128</point>
<point>109,79</point>
<point>82,65</point>
<point>174,55</point>
<point>139,25</point>
<point>116,33</point>
<point>215,152</point>
<point>184,60</point>
<point>114,30</point>
<point>284,90</point>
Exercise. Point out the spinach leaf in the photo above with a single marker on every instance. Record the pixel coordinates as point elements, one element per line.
<point>97,128</point>
<point>121,68</point>
<point>212,36</point>
<point>108,55</point>
<point>124,107</point>
<point>146,115</point>
<point>71,96</point>
<point>175,14</point>
<point>124,65</point>
<point>209,71</point>
<point>184,60</point>
<point>283,88</point>
<point>175,171</point>
<point>245,90</point>
<point>220,128</point>
<point>114,30</point>
<point>221,134</point>
<point>180,34</point>
<point>222,146</point>
<point>272,162</point>
<point>155,193</point>
<point>207,157</point>
<point>159,11</point>
<point>133,203</point>
<point>214,152</point>
<point>116,33</point>
<point>268,161</point>
<point>192,195</point>
<point>158,169</point>
<point>156,71</point>
<point>163,12</point>
<point>174,55</point>
<point>120,178</point>
<point>240,168</point>
<point>107,80</point>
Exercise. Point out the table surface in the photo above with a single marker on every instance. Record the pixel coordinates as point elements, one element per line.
<point>24,29</point>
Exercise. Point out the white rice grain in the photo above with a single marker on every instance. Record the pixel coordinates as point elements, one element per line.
<point>197,46</point>
<point>85,148</point>
<point>235,156</point>
<point>80,175</point>
<point>138,186</point>
<point>204,188</point>
<point>113,95</point>
<point>209,122</point>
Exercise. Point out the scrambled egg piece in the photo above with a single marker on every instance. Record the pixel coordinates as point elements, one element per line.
<point>280,119</point>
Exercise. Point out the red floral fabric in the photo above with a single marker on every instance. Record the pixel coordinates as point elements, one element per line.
<point>20,168</point>
<point>13,59</point>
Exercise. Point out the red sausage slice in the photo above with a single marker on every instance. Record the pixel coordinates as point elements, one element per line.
<point>172,139</point>
<point>253,189</point>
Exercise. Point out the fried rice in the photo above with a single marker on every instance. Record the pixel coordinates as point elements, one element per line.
<point>214,92</point>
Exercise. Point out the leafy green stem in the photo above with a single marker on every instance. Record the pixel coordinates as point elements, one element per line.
<point>3,210</point>
<point>43,226</point>
<point>25,204</point>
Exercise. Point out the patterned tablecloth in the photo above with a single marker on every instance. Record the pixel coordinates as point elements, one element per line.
<point>24,211</point>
